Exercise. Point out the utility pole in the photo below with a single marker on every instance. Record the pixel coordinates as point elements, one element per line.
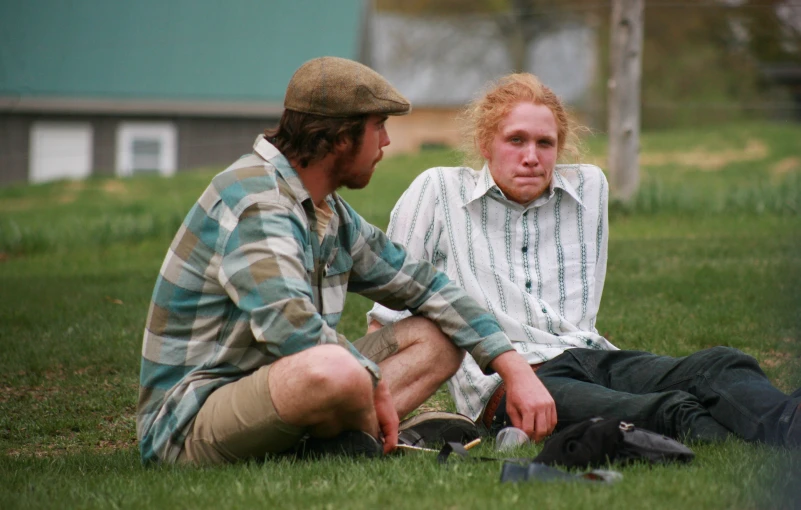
<point>624,97</point>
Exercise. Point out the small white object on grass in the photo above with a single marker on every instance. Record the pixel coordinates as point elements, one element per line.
<point>510,437</point>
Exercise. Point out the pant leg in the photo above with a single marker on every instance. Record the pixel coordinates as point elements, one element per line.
<point>725,383</point>
<point>239,421</point>
<point>737,393</point>
<point>676,414</point>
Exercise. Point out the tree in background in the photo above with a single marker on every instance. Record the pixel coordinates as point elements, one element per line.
<point>772,29</point>
<point>703,61</point>
<point>519,21</point>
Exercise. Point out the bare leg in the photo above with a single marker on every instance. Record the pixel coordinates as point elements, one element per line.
<point>426,358</point>
<point>324,389</point>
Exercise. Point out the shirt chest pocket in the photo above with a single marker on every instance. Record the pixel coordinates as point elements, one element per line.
<point>308,259</point>
<point>334,282</point>
<point>339,263</point>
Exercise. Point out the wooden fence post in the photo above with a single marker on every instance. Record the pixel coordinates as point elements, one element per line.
<point>624,97</point>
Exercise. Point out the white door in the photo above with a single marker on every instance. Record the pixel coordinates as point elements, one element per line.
<point>60,150</point>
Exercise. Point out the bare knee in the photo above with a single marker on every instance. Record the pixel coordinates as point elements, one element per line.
<point>443,354</point>
<point>317,382</point>
<point>340,376</point>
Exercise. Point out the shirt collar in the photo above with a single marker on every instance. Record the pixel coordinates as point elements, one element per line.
<point>485,185</point>
<point>270,153</point>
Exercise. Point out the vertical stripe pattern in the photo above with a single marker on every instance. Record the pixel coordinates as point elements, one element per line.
<point>544,288</point>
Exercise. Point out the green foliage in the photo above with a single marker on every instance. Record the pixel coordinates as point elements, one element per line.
<point>702,62</point>
<point>79,260</point>
<point>97,212</point>
<point>751,168</point>
<point>722,477</point>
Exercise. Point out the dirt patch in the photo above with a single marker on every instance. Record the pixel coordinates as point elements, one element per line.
<point>113,446</point>
<point>41,451</point>
<point>115,187</point>
<point>75,186</point>
<point>53,386</point>
<point>26,204</point>
<point>71,444</point>
<point>67,198</point>
<point>773,359</point>
<point>786,166</point>
<point>707,160</point>
<point>35,393</point>
<point>18,204</point>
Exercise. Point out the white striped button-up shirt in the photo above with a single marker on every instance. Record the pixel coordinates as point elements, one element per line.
<point>538,268</point>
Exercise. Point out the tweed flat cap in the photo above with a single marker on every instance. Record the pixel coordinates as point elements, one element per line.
<point>338,87</point>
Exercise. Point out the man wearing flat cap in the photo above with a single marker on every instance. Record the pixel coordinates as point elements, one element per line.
<point>241,357</point>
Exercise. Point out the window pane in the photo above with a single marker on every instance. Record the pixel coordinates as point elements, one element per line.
<point>146,154</point>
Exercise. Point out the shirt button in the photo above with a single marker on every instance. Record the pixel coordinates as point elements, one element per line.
<point>528,284</point>
<point>525,248</point>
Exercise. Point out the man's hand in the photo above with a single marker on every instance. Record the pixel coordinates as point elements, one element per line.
<point>384,408</point>
<point>387,416</point>
<point>528,403</point>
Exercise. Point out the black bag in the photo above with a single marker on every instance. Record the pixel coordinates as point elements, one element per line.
<point>599,441</point>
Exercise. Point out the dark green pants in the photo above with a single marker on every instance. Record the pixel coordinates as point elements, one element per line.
<point>704,396</point>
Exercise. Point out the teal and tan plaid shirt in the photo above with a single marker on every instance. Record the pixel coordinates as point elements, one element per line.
<point>247,281</point>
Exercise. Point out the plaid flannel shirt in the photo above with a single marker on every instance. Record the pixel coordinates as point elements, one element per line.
<point>246,281</point>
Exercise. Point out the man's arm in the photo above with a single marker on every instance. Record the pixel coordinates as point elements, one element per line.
<point>528,403</point>
<point>264,271</point>
<point>384,272</point>
<point>412,224</point>
<point>469,326</point>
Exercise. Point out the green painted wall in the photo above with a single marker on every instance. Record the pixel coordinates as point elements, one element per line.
<point>168,49</point>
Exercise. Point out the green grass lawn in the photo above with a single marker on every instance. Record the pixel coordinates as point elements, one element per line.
<point>708,254</point>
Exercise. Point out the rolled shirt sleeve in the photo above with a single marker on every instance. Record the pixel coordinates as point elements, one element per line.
<point>412,224</point>
<point>384,272</point>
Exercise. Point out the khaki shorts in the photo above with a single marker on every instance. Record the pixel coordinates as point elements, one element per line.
<point>238,421</point>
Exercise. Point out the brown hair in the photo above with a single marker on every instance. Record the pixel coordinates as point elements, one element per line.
<point>481,118</point>
<point>306,138</point>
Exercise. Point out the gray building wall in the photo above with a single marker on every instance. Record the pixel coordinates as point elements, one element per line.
<point>14,148</point>
<point>202,142</point>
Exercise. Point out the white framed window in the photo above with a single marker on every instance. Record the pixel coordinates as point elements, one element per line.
<point>146,147</point>
<point>60,150</point>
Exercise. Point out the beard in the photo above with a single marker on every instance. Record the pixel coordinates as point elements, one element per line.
<point>348,175</point>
